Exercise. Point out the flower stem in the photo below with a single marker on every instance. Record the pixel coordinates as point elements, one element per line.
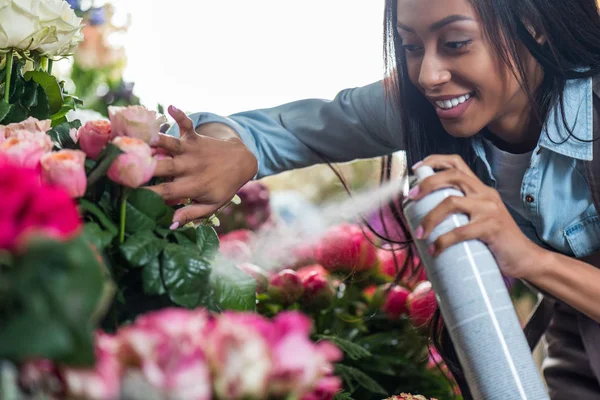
<point>44,63</point>
<point>50,64</point>
<point>124,197</point>
<point>9,67</point>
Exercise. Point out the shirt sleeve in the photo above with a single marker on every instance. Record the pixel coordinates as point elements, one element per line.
<point>357,123</point>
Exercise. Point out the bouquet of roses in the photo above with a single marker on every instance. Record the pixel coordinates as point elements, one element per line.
<point>183,354</point>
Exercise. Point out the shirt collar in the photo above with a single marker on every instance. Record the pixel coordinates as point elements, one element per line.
<point>578,112</point>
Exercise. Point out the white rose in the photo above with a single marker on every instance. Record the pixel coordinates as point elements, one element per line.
<point>59,15</point>
<point>20,26</point>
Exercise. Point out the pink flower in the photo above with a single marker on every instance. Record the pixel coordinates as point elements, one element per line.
<point>93,137</point>
<point>240,359</point>
<point>304,272</point>
<point>136,122</point>
<point>326,389</point>
<point>136,166</point>
<point>298,363</point>
<point>66,168</point>
<point>31,124</point>
<point>285,287</point>
<point>25,148</point>
<point>413,273</point>
<point>30,206</point>
<point>421,304</point>
<point>167,346</point>
<point>235,250</point>
<point>345,248</point>
<point>242,235</point>
<point>395,303</point>
<point>318,291</point>
<point>103,382</point>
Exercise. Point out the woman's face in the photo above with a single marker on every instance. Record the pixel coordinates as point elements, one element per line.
<point>452,63</point>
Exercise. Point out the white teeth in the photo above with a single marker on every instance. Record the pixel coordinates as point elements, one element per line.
<point>447,104</point>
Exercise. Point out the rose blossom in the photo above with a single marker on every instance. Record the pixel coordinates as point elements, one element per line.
<point>136,122</point>
<point>21,27</point>
<point>240,359</point>
<point>66,168</point>
<point>57,15</point>
<point>345,247</point>
<point>93,137</point>
<point>136,166</point>
<point>103,382</point>
<point>30,206</point>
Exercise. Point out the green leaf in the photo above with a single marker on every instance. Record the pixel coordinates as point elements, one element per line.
<point>97,236</point>
<point>141,248</point>
<point>351,375</point>
<point>50,86</point>
<point>343,396</point>
<point>105,159</point>
<point>231,289</point>
<point>136,221</point>
<point>207,241</point>
<point>40,110</point>
<point>4,109</point>
<point>148,203</point>
<point>17,113</point>
<point>185,273</point>
<point>96,212</point>
<point>352,350</point>
<point>152,278</point>
<point>61,135</point>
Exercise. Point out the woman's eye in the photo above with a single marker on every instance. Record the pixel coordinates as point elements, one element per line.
<point>412,48</point>
<point>457,45</point>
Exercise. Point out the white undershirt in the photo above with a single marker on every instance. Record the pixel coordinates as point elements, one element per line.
<point>508,169</point>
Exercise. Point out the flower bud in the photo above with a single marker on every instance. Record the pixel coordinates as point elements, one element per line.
<point>93,137</point>
<point>136,166</point>
<point>285,287</point>
<point>66,168</point>
<point>395,303</point>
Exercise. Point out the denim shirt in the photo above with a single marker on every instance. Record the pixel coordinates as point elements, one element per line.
<point>360,123</point>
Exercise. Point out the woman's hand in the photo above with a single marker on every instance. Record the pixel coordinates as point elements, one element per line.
<point>208,167</point>
<point>490,221</point>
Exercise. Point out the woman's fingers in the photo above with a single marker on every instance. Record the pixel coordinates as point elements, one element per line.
<point>450,178</point>
<point>445,161</point>
<point>168,167</point>
<point>172,190</point>
<point>450,205</point>
<point>193,212</point>
<point>480,230</point>
<point>186,126</point>
<point>172,145</point>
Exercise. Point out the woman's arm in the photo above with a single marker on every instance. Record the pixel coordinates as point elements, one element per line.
<point>575,282</point>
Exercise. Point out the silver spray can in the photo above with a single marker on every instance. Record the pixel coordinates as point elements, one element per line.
<point>476,308</point>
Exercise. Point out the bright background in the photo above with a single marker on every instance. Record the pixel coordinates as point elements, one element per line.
<point>233,55</point>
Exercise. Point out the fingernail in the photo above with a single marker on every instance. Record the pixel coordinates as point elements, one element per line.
<point>431,250</point>
<point>154,140</point>
<point>174,109</point>
<point>419,232</point>
<point>174,226</point>
<point>414,192</point>
<point>417,165</point>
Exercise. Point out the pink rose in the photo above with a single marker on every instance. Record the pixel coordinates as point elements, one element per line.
<point>298,363</point>
<point>167,346</point>
<point>240,359</point>
<point>318,291</point>
<point>93,137</point>
<point>103,382</point>
<point>66,168</point>
<point>345,248</point>
<point>26,148</point>
<point>326,389</point>
<point>30,206</point>
<point>413,273</point>
<point>422,304</point>
<point>31,124</point>
<point>285,287</point>
<point>136,122</point>
<point>136,166</point>
<point>395,302</point>
<point>259,275</point>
